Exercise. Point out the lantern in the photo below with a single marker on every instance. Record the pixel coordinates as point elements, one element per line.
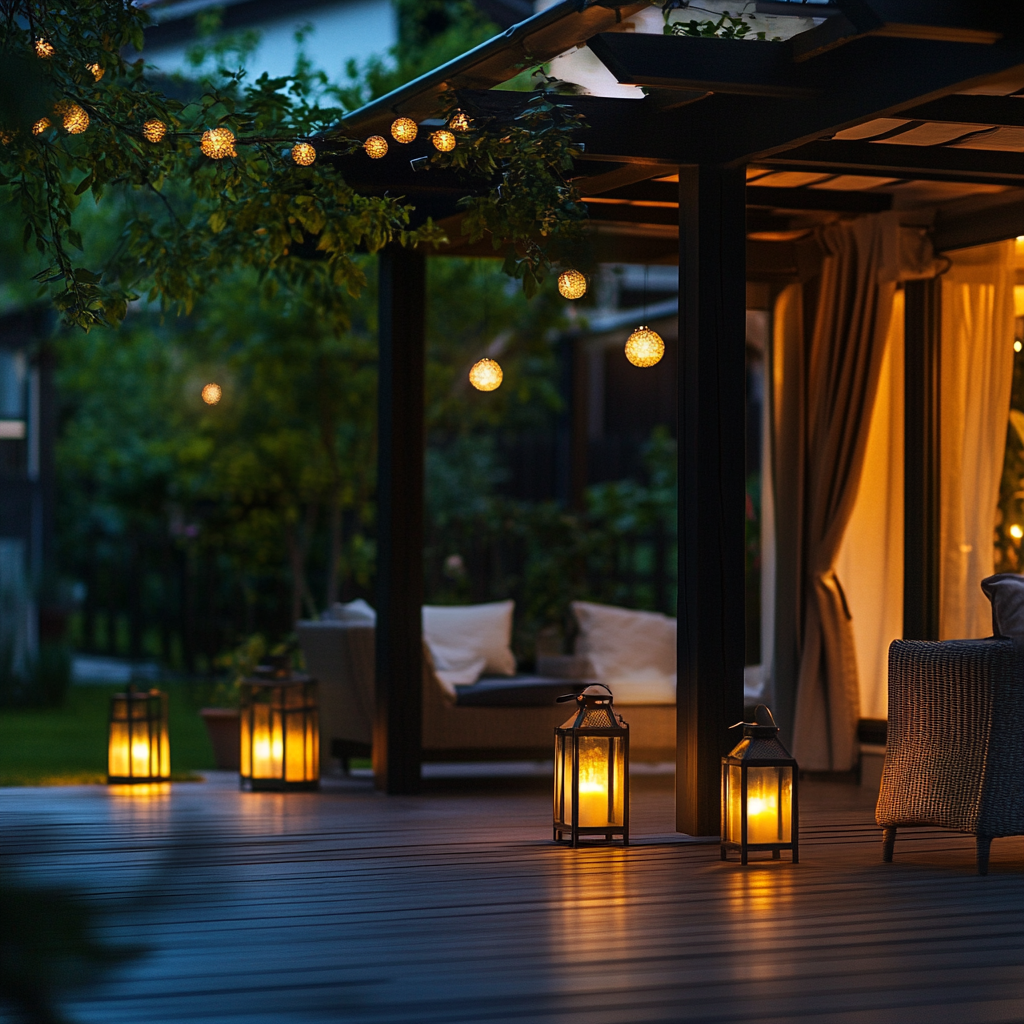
<point>759,792</point>
<point>644,347</point>
<point>376,146</point>
<point>459,122</point>
<point>137,745</point>
<point>592,769</point>
<point>40,126</point>
<point>45,49</point>
<point>212,393</point>
<point>280,730</point>
<point>303,154</point>
<point>404,129</point>
<point>96,70</point>
<point>485,375</point>
<point>154,130</point>
<point>218,143</point>
<point>572,284</point>
<point>73,117</point>
<point>443,141</point>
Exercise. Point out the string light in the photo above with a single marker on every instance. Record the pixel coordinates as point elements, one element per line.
<point>45,49</point>
<point>404,130</point>
<point>485,375</point>
<point>218,143</point>
<point>1018,345</point>
<point>443,141</point>
<point>73,117</point>
<point>303,154</point>
<point>459,122</point>
<point>154,130</point>
<point>98,70</point>
<point>40,126</point>
<point>212,393</point>
<point>572,284</point>
<point>644,347</point>
<point>1016,532</point>
<point>376,147</point>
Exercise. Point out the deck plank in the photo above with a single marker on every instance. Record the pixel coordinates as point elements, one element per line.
<point>454,907</point>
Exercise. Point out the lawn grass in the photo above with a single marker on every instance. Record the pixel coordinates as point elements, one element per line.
<point>68,745</point>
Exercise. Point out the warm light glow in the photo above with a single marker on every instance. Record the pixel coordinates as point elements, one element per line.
<point>376,146</point>
<point>443,141</point>
<point>1016,532</point>
<point>404,129</point>
<point>96,70</point>
<point>303,154</point>
<point>572,284</point>
<point>74,118</point>
<point>644,347</point>
<point>45,49</point>
<point>593,784</point>
<point>218,143</point>
<point>485,375</point>
<point>137,746</point>
<point>459,122</point>
<point>154,130</point>
<point>212,393</point>
<point>1017,346</point>
<point>40,126</point>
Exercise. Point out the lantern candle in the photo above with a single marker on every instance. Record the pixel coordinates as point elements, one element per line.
<point>137,745</point>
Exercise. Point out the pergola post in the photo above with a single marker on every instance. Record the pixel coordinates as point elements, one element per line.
<point>398,725</point>
<point>921,425</point>
<point>712,406</point>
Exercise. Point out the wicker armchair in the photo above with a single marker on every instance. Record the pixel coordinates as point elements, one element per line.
<point>955,755</point>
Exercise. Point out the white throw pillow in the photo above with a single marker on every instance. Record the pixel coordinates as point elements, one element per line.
<point>633,652</point>
<point>355,611</point>
<point>467,640</point>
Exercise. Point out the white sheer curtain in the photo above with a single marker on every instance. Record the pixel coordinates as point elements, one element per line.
<point>977,373</point>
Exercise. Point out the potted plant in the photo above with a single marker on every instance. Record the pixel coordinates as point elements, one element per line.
<point>222,717</point>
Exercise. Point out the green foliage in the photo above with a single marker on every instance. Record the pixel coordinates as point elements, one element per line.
<point>726,26</point>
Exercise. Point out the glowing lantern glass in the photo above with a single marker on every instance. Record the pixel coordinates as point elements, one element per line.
<point>73,117</point>
<point>759,792</point>
<point>280,731</point>
<point>303,154</point>
<point>572,284</point>
<point>217,143</point>
<point>443,141</point>
<point>459,122</point>
<point>376,147</point>
<point>404,129</point>
<point>44,49</point>
<point>592,770</point>
<point>137,744</point>
<point>154,130</point>
<point>486,375</point>
<point>40,126</point>
<point>644,347</point>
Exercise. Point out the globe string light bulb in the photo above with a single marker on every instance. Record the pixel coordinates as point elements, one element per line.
<point>459,122</point>
<point>40,126</point>
<point>404,130</point>
<point>73,117</point>
<point>443,141</point>
<point>376,147</point>
<point>218,143</point>
<point>97,70</point>
<point>572,284</point>
<point>1016,532</point>
<point>485,375</point>
<point>644,347</point>
<point>154,130</point>
<point>212,393</point>
<point>44,49</point>
<point>303,154</point>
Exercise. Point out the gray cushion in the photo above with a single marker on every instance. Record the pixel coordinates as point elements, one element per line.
<point>1006,592</point>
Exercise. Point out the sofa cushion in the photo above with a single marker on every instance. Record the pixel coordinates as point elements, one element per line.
<point>468,640</point>
<point>526,691</point>
<point>633,652</point>
<point>1006,592</point>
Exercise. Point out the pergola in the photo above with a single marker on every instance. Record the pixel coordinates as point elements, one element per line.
<point>735,143</point>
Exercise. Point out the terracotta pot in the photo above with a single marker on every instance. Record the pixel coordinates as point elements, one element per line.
<point>222,726</point>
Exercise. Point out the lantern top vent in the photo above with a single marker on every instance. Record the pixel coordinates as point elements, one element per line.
<point>760,741</point>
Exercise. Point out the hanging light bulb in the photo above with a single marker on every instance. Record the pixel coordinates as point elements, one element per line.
<point>303,154</point>
<point>97,70</point>
<point>154,130</point>
<point>485,375</point>
<point>572,284</point>
<point>40,126</point>
<point>45,49</point>
<point>644,347</point>
<point>376,146</point>
<point>212,393</point>
<point>404,130</point>
<point>218,143</point>
<point>458,122</point>
<point>443,141</point>
<point>73,117</point>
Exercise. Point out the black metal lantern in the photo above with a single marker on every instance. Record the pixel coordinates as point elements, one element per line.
<point>280,730</point>
<point>759,792</point>
<point>138,750</point>
<point>592,769</point>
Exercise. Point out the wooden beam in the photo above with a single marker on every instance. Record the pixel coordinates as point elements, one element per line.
<point>921,499</point>
<point>398,717</point>
<point>978,220</point>
<point>968,109</point>
<point>818,199</point>
<point>712,406</point>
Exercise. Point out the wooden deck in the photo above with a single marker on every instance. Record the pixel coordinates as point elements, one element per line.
<point>454,907</point>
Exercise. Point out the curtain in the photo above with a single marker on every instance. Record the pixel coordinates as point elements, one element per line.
<point>976,376</point>
<point>826,380</point>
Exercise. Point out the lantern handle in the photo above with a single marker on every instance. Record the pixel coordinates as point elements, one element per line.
<point>760,712</point>
<point>573,696</point>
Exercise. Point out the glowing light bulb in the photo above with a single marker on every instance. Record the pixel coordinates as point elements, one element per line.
<point>154,130</point>
<point>40,126</point>
<point>303,154</point>
<point>73,117</point>
<point>212,393</point>
<point>404,130</point>
<point>459,122</point>
<point>376,146</point>
<point>96,70</point>
<point>218,143</point>
<point>1016,532</point>
<point>443,141</point>
<point>572,284</point>
<point>485,375</point>
<point>644,347</point>
<point>1018,345</point>
<point>45,49</point>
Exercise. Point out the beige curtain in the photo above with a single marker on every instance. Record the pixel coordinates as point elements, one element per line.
<point>825,386</point>
<point>870,559</point>
<point>977,372</point>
